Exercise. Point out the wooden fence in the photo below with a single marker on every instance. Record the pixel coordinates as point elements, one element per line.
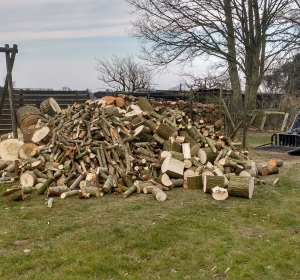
<point>34,98</point>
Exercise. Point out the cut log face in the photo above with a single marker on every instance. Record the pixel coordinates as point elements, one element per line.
<point>27,116</point>
<point>42,136</point>
<point>166,181</point>
<point>275,162</point>
<point>159,194</point>
<point>26,149</point>
<point>219,193</point>
<point>173,167</point>
<point>28,179</point>
<point>50,107</point>
<point>206,154</point>
<point>9,149</point>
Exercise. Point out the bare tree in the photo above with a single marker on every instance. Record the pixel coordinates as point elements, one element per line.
<point>248,35</point>
<point>124,74</point>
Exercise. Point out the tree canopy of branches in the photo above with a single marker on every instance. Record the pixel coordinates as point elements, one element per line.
<point>124,74</point>
<point>285,78</point>
<point>248,35</point>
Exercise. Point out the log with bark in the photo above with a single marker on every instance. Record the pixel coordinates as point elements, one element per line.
<point>241,186</point>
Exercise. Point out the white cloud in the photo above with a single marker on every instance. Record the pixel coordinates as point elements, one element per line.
<point>64,34</point>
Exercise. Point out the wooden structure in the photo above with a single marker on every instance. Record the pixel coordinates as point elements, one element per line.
<point>34,97</point>
<point>10,54</point>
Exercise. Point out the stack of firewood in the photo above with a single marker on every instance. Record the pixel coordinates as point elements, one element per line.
<point>104,146</point>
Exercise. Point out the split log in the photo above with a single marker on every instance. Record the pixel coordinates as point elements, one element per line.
<point>241,186</point>
<point>164,155</point>
<point>186,150</point>
<point>219,193</point>
<point>165,180</point>
<point>159,194</point>
<point>209,182</point>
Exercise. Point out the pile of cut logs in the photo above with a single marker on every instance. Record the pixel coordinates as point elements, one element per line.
<point>105,146</point>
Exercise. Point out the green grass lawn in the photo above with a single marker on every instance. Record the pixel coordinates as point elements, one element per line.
<point>188,236</point>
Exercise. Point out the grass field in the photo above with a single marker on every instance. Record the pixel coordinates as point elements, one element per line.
<point>189,236</point>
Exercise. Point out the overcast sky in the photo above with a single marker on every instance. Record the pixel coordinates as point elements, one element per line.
<point>58,41</point>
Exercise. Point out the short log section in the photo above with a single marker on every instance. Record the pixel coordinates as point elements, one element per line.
<point>209,182</point>
<point>50,107</point>
<point>241,186</point>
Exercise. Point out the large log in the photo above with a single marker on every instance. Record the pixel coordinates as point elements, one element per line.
<point>27,116</point>
<point>209,182</point>
<point>241,186</point>
<point>50,107</point>
<point>173,167</point>
<point>42,136</point>
<point>194,182</point>
<point>159,194</point>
